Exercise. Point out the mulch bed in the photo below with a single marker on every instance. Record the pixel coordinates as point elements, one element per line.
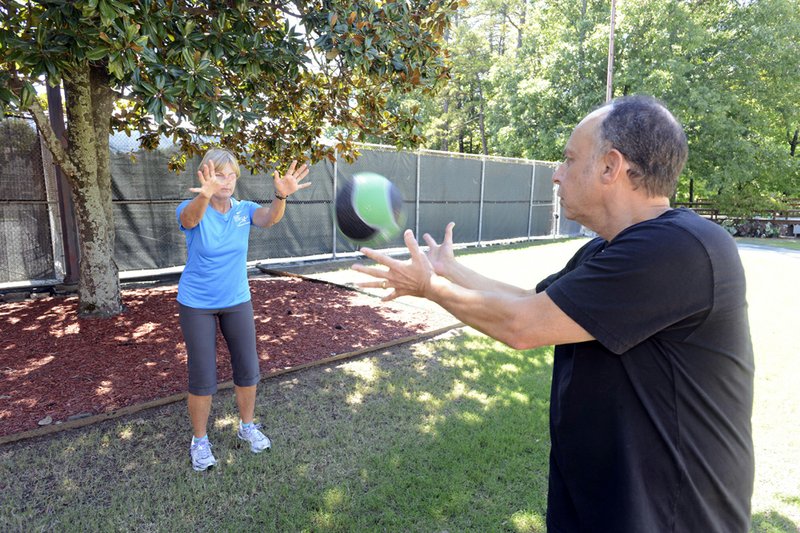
<point>54,364</point>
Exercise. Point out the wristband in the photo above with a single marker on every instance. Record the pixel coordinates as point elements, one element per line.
<point>279,197</point>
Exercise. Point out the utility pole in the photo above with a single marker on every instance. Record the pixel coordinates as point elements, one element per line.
<point>610,78</point>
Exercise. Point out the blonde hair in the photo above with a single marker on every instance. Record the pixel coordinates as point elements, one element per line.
<point>221,157</point>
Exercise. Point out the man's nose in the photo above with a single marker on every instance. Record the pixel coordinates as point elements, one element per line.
<point>557,175</point>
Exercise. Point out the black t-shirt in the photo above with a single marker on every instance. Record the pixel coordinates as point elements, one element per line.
<point>650,423</point>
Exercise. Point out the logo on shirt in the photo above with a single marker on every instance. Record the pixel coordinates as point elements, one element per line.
<point>240,219</point>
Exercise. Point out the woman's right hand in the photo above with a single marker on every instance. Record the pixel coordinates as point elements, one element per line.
<point>209,184</point>
<point>441,256</point>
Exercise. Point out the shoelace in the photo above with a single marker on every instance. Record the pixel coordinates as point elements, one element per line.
<point>255,427</point>
<point>204,449</point>
<point>251,428</point>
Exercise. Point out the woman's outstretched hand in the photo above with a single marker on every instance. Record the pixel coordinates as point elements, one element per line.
<point>290,182</point>
<point>209,184</point>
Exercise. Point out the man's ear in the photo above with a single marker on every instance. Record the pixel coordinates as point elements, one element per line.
<point>615,166</point>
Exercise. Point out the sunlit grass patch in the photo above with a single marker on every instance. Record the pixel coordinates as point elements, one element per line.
<point>449,434</point>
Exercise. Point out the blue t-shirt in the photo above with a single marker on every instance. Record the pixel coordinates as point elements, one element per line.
<point>215,275</point>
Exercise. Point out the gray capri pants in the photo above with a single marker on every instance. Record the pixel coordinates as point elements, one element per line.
<point>199,327</point>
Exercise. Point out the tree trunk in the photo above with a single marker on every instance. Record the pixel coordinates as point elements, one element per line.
<point>793,143</point>
<point>102,107</point>
<point>89,105</point>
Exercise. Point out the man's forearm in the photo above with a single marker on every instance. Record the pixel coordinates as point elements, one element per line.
<point>499,314</point>
<point>470,279</point>
<point>518,318</point>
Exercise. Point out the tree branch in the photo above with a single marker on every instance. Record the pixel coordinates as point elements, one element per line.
<point>52,142</point>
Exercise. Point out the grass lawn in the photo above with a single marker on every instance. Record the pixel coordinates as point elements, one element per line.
<point>789,244</point>
<point>446,434</point>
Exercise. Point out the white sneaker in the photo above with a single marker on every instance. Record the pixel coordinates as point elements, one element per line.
<point>202,458</point>
<point>258,441</point>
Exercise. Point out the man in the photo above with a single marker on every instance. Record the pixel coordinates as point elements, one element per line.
<point>652,386</point>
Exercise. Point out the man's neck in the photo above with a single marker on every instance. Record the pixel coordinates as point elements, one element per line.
<point>618,220</point>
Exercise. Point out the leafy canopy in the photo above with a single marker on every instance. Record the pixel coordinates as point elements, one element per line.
<point>267,78</point>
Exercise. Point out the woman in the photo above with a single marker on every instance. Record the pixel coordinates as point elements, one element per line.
<point>213,288</point>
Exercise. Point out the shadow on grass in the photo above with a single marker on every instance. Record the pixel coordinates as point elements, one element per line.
<point>458,441</point>
<point>449,434</point>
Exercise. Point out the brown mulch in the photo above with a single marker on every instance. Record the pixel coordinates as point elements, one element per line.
<point>54,364</point>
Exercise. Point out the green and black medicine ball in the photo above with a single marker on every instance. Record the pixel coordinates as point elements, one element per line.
<point>369,208</point>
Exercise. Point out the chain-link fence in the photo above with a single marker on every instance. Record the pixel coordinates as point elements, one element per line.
<point>30,238</point>
<point>490,199</point>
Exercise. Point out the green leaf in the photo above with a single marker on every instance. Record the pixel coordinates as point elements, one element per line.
<point>131,30</point>
<point>89,8</point>
<point>96,54</point>
<point>27,95</point>
<point>149,88</point>
<point>188,58</point>
<point>158,113</point>
<point>8,97</point>
<point>106,11</point>
<point>115,66</point>
<point>121,6</point>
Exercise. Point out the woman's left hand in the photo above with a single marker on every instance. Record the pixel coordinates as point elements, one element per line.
<point>290,182</point>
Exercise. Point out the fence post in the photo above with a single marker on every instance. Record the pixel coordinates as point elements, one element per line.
<point>69,229</point>
<point>333,211</point>
<point>480,205</point>
<point>530,202</point>
<point>556,213</point>
<point>416,200</point>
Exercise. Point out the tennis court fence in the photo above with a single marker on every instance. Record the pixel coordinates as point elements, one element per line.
<point>491,199</point>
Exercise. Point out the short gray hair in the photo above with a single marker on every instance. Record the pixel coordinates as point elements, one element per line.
<point>221,157</point>
<point>652,140</point>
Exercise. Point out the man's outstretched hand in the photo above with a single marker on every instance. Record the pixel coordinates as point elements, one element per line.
<point>412,277</point>
<point>441,256</point>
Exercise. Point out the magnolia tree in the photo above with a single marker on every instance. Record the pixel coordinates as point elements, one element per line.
<point>265,78</point>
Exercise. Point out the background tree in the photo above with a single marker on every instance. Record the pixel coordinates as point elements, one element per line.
<point>538,64</point>
<point>727,69</point>
<point>457,114</point>
<point>263,78</point>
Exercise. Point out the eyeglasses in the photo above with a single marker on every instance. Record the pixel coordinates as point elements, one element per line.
<point>225,177</point>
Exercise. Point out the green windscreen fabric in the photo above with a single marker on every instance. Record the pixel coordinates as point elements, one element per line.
<point>490,199</point>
